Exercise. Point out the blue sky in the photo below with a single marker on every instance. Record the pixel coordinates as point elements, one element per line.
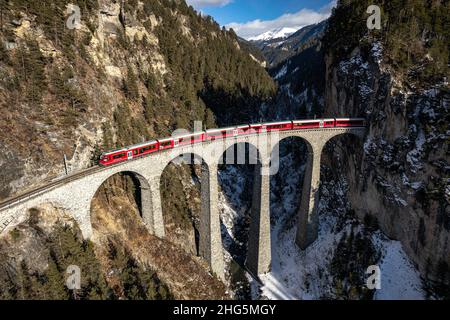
<point>253,17</point>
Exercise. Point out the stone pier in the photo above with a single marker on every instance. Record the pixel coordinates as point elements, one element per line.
<point>210,236</point>
<point>259,248</point>
<point>307,214</point>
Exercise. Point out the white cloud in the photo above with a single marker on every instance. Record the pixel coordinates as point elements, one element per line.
<point>208,3</point>
<point>296,21</point>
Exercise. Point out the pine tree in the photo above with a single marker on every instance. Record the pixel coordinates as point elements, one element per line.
<point>131,85</point>
<point>32,65</point>
<point>55,285</point>
<point>108,142</point>
<point>149,112</point>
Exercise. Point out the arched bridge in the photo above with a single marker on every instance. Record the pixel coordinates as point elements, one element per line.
<point>75,193</point>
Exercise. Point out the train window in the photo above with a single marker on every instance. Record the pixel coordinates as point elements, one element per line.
<point>148,148</point>
<point>136,152</point>
<point>166,144</point>
<point>118,156</point>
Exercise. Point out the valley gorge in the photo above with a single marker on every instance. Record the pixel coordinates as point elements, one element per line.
<point>135,71</point>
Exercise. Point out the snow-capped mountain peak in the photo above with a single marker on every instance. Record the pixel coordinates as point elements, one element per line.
<point>277,33</point>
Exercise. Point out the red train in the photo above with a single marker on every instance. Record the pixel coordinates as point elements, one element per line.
<point>146,148</point>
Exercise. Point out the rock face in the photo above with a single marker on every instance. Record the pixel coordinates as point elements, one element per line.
<point>120,78</point>
<point>401,176</point>
<point>396,78</point>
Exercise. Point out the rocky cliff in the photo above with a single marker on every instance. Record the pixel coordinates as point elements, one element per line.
<point>396,79</point>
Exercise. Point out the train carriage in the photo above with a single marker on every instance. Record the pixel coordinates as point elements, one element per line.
<point>350,122</point>
<point>305,124</point>
<point>257,128</point>
<point>311,124</point>
<point>189,139</point>
<point>114,157</point>
<point>165,144</point>
<point>129,153</point>
<point>277,126</point>
<point>215,134</point>
<point>143,149</point>
<point>244,130</point>
<point>328,123</point>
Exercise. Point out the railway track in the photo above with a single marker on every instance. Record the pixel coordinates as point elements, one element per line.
<point>54,183</point>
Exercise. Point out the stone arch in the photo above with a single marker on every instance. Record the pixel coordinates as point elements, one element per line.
<point>239,171</point>
<point>240,153</point>
<point>179,208</point>
<point>351,140</point>
<point>357,134</point>
<point>308,220</point>
<point>290,181</point>
<point>141,192</point>
<point>189,156</point>
<point>276,152</point>
<point>354,133</point>
<point>206,226</point>
<point>341,158</point>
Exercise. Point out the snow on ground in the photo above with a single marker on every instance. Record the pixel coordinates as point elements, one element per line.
<point>277,33</point>
<point>399,278</point>
<point>300,274</point>
<point>377,52</point>
<point>282,72</point>
<point>229,204</point>
<point>305,274</point>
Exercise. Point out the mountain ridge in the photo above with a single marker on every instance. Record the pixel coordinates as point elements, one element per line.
<point>274,34</point>
<point>278,50</point>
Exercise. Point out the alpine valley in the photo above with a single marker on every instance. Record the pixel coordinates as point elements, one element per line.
<point>138,70</point>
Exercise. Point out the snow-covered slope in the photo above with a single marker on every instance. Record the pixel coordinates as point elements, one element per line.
<point>308,274</point>
<point>277,47</point>
<point>278,33</point>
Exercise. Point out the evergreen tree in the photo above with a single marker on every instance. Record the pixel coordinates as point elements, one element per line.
<point>55,288</point>
<point>131,85</point>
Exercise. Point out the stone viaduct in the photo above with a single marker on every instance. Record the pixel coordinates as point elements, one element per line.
<point>75,195</point>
